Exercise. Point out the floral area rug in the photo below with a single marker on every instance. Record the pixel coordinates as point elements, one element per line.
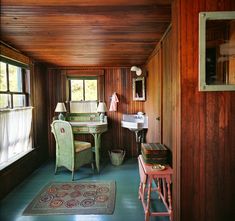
<point>90,197</point>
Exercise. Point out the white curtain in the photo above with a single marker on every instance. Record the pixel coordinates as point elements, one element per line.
<point>83,106</point>
<point>15,133</point>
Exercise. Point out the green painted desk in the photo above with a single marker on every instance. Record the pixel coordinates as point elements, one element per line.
<point>89,124</point>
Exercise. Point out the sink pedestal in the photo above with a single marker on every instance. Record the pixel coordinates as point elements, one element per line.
<point>139,138</point>
<point>136,123</point>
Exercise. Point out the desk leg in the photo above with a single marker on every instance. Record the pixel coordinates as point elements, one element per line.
<point>97,150</point>
<point>164,188</point>
<point>169,199</point>
<point>159,189</point>
<point>147,211</point>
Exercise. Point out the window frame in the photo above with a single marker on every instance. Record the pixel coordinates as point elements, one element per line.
<point>24,69</point>
<point>78,73</point>
<point>83,78</point>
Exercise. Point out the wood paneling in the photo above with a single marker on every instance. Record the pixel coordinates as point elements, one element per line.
<point>56,93</point>
<point>14,54</point>
<point>85,33</point>
<point>176,111</point>
<point>87,2</point>
<point>167,100</point>
<point>205,157</point>
<point>153,104</point>
<point>117,80</point>
<point>39,103</point>
<point>14,174</point>
<point>159,102</point>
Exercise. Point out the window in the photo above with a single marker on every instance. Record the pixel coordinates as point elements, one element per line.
<point>15,115</point>
<point>83,89</point>
<point>14,83</point>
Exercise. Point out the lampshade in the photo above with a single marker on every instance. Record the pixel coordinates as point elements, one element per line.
<point>60,107</point>
<point>101,107</point>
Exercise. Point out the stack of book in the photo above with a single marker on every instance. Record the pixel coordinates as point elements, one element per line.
<point>154,153</point>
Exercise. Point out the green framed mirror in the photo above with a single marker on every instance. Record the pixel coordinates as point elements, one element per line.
<point>217,51</point>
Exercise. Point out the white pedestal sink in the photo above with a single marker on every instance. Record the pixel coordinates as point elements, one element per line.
<point>135,123</point>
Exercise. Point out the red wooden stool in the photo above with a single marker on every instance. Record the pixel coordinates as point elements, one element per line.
<point>164,179</point>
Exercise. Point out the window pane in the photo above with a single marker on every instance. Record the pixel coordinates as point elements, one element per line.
<point>4,100</point>
<point>15,78</point>
<point>3,76</point>
<point>90,90</point>
<point>76,90</point>
<point>18,100</point>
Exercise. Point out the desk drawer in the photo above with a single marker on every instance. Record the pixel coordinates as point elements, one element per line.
<point>98,129</point>
<point>80,130</point>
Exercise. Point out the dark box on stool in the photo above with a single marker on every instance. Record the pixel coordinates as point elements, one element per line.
<point>154,153</point>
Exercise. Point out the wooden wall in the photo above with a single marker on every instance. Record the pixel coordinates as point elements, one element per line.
<point>39,82</point>
<point>159,92</point>
<point>19,170</point>
<point>204,163</point>
<point>167,100</point>
<point>153,104</point>
<point>117,80</point>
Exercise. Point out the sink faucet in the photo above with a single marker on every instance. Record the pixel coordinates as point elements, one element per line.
<point>138,117</point>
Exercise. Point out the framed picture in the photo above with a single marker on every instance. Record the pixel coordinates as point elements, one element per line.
<point>139,89</point>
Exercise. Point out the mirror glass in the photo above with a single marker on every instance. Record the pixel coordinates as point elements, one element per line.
<point>139,89</point>
<point>217,51</point>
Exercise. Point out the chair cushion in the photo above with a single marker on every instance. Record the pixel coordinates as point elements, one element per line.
<point>81,145</point>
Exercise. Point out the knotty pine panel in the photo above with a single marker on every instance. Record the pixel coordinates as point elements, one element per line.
<point>206,161</point>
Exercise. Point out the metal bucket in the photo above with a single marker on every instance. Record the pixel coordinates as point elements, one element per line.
<point>117,156</point>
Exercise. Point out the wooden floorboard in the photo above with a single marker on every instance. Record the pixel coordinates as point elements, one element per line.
<point>127,206</point>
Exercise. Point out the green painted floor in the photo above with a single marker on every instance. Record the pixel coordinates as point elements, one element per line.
<point>127,206</point>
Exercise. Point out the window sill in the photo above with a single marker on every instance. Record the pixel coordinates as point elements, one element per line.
<point>14,159</point>
<point>15,109</point>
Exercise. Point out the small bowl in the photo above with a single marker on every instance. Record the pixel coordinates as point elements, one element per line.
<point>158,167</point>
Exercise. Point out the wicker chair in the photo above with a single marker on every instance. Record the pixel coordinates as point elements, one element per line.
<point>70,153</point>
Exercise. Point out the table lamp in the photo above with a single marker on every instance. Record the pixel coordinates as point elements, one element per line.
<point>101,109</point>
<point>60,108</point>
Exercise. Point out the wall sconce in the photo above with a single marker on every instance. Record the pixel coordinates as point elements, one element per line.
<point>137,70</point>
<point>60,108</point>
<point>101,109</point>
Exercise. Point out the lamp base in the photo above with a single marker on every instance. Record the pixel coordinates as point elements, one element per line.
<point>61,117</point>
<point>101,117</point>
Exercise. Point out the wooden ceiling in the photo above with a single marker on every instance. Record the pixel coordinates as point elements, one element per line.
<point>85,32</point>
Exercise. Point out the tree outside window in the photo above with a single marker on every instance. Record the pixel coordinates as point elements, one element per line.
<point>13,86</point>
<point>83,90</point>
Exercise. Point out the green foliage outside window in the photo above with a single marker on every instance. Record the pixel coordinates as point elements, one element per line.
<point>15,78</point>
<point>84,90</point>
<point>3,77</point>
<point>11,86</point>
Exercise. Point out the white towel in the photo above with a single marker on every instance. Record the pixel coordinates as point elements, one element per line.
<point>114,101</point>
